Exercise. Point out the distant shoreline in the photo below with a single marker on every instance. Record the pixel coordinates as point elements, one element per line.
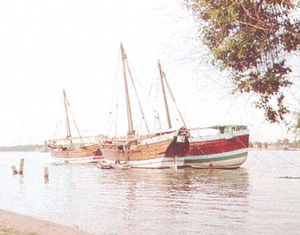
<point>41,148</point>
<point>271,148</point>
<point>23,148</point>
<point>12,223</point>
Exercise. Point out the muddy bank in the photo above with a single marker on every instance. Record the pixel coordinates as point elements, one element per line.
<point>12,223</point>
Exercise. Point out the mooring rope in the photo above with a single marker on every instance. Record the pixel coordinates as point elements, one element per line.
<point>272,168</point>
<point>285,160</point>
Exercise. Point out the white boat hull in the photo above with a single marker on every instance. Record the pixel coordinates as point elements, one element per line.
<point>77,160</point>
<point>157,163</point>
<point>227,160</point>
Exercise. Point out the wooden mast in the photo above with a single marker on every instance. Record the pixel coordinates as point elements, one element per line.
<point>129,115</point>
<point>161,73</point>
<point>136,94</point>
<point>67,117</point>
<point>173,98</point>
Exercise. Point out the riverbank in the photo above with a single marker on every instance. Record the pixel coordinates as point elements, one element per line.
<point>12,223</point>
<point>22,148</point>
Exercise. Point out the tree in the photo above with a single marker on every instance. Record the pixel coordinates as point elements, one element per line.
<point>251,39</point>
<point>278,143</point>
<point>285,141</point>
<point>298,122</point>
<point>258,144</point>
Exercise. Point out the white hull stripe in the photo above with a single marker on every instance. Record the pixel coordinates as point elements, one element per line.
<point>75,160</point>
<point>181,161</point>
<point>217,157</point>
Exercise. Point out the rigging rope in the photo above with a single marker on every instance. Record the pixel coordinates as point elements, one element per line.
<point>135,91</point>
<point>285,160</point>
<point>116,118</point>
<point>109,126</point>
<point>173,98</point>
<point>115,97</point>
<point>58,122</point>
<point>75,124</point>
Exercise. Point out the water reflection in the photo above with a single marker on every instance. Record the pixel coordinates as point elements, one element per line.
<point>131,201</point>
<point>186,199</point>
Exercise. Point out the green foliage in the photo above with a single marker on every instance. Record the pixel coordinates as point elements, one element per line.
<point>298,122</point>
<point>251,40</point>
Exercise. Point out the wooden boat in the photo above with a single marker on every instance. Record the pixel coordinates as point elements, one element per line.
<point>227,148</point>
<point>145,151</point>
<point>156,150</point>
<point>73,149</point>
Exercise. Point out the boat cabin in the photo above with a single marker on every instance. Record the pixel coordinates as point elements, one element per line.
<point>229,128</point>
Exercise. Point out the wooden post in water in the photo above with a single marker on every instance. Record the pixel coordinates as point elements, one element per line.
<point>14,169</point>
<point>21,166</point>
<point>46,174</point>
<point>175,163</point>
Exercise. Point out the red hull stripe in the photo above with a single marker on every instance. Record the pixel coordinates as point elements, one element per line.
<point>218,146</point>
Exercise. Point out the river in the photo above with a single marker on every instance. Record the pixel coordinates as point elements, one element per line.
<point>254,199</point>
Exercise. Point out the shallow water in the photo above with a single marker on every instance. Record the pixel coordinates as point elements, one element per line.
<point>252,199</point>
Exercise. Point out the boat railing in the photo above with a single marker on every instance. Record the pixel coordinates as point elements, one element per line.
<point>217,130</point>
<point>76,140</point>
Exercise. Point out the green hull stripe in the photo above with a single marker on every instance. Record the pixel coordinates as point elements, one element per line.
<point>197,159</point>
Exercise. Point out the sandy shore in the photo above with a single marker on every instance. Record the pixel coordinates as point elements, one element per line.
<point>12,223</point>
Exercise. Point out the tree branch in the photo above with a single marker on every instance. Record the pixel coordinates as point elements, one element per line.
<point>254,26</point>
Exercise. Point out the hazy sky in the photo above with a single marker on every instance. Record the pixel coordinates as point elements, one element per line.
<point>47,46</point>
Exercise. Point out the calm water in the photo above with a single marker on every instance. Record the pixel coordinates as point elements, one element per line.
<point>252,199</point>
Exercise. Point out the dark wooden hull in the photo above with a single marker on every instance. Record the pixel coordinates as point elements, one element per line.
<point>142,152</point>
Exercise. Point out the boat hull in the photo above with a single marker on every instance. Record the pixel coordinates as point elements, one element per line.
<point>225,151</point>
<point>86,154</point>
<point>142,153</point>
<point>77,160</point>
<point>154,163</point>
<point>220,151</point>
<point>226,160</point>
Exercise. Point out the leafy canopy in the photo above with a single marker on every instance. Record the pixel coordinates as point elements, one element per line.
<point>251,39</point>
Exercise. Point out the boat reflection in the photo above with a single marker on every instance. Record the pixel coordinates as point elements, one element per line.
<point>188,196</point>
